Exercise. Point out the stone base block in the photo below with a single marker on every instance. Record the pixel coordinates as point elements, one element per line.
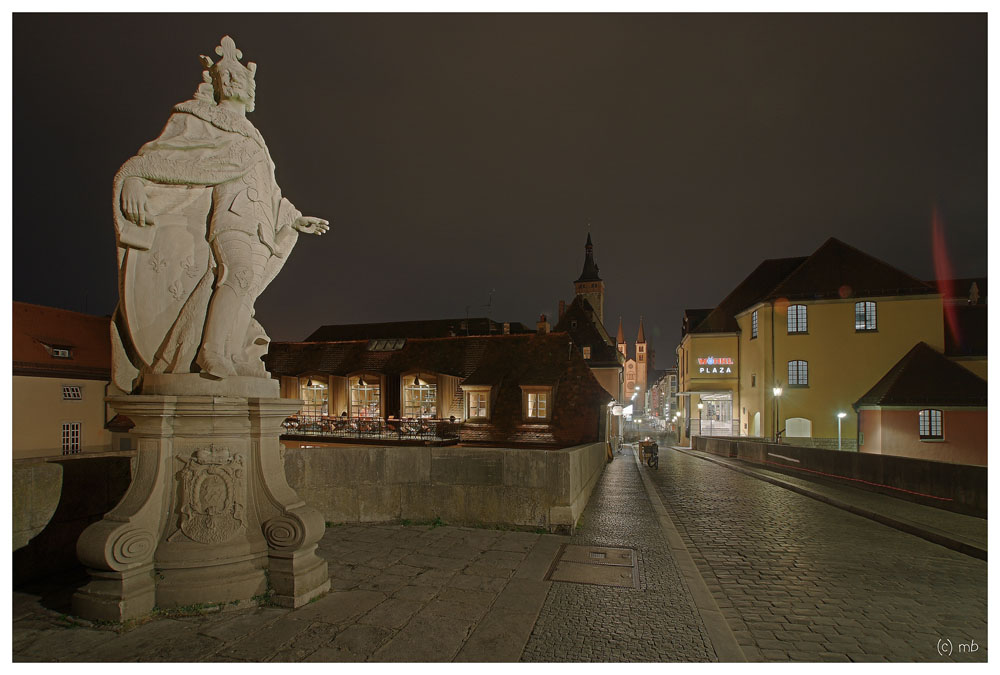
<point>297,578</point>
<point>211,585</point>
<point>116,596</point>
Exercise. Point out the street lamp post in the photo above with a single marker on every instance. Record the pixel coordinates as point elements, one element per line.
<point>777,417</point>
<point>840,418</point>
<point>701,429</point>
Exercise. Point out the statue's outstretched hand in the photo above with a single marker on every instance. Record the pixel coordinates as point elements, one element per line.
<point>134,202</point>
<point>311,225</point>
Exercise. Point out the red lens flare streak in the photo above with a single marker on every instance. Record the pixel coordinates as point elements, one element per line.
<point>943,273</point>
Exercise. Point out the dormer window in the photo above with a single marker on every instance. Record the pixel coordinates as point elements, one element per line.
<point>477,403</point>
<point>536,403</point>
<point>58,351</point>
<point>586,352</point>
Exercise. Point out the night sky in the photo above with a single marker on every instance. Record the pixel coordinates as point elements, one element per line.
<point>457,154</point>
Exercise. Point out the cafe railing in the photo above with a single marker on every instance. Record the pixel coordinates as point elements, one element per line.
<point>372,428</point>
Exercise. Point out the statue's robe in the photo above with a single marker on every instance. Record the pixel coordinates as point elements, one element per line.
<point>166,270</point>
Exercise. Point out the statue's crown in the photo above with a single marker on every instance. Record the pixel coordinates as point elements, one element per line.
<point>230,59</point>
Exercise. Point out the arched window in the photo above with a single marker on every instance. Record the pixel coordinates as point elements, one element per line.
<point>753,325</point>
<point>865,316</point>
<point>930,424</point>
<point>419,395</point>
<point>798,373</point>
<point>314,392</point>
<point>366,395</point>
<point>797,319</point>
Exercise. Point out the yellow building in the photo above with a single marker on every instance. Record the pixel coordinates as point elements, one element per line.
<point>61,370</point>
<point>821,329</point>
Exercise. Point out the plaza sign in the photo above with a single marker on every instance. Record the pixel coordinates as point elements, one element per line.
<point>715,365</point>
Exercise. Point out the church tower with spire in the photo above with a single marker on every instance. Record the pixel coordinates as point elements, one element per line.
<point>641,360</point>
<point>590,285</point>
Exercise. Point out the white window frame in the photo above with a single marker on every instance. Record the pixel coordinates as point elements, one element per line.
<point>481,395</point>
<point>72,392</point>
<point>798,319</point>
<point>71,433</point>
<point>536,403</point>
<point>753,325</point>
<point>586,352</point>
<point>930,420</point>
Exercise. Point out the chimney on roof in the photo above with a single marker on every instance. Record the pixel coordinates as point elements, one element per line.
<point>562,309</point>
<point>543,325</point>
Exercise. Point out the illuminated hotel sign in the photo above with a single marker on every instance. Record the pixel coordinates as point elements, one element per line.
<point>715,365</point>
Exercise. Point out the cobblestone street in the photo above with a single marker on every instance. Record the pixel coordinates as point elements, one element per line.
<point>801,580</point>
<point>656,622</point>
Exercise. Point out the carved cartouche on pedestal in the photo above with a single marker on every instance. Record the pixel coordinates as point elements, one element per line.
<point>201,229</point>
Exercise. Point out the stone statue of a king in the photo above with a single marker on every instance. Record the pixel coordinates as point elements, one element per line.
<point>209,517</point>
<point>202,229</point>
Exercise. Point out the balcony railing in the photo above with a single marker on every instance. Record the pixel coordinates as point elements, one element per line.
<point>372,428</point>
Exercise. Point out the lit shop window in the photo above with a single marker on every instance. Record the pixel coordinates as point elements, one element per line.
<point>797,319</point>
<point>70,438</point>
<point>477,403</point>
<point>798,373</point>
<point>536,402</point>
<point>72,393</point>
<point>366,395</point>
<point>865,317</point>
<point>419,395</point>
<point>753,325</point>
<point>314,393</point>
<point>930,424</point>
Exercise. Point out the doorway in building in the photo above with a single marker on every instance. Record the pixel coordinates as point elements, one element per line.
<point>717,414</point>
<point>755,428</point>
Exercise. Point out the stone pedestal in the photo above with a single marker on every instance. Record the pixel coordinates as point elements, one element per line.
<point>209,517</point>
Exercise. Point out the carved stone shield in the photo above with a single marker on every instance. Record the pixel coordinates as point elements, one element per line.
<point>156,283</point>
<point>213,496</point>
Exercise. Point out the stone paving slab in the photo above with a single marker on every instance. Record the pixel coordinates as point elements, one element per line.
<point>399,593</point>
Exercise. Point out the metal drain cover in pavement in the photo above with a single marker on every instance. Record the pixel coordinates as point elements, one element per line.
<point>598,565</point>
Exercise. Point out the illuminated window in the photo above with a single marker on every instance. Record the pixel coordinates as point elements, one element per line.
<point>753,325</point>
<point>366,395</point>
<point>797,319</point>
<point>865,317</point>
<point>798,373</point>
<point>536,402</point>
<point>70,438</point>
<point>419,395</point>
<point>314,394</point>
<point>72,393</point>
<point>930,424</point>
<point>586,352</point>
<point>478,403</point>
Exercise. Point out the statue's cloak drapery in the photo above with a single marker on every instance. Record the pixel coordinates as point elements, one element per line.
<point>166,267</point>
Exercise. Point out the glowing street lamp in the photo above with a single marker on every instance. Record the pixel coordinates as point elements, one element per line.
<point>777,418</point>
<point>840,418</point>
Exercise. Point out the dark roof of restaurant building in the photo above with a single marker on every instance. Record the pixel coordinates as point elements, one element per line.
<point>581,323</point>
<point>926,377</point>
<point>529,359</point>
<point>970,335</point>
<point>37,329</point>
<point>749,292</point>
<point>590,270</point>
<point>838,270</point>
<point>692,317</point>
<point>432,328</point>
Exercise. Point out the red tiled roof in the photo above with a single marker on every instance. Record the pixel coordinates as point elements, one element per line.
<point>36,329</point>
<point>926,377</point>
